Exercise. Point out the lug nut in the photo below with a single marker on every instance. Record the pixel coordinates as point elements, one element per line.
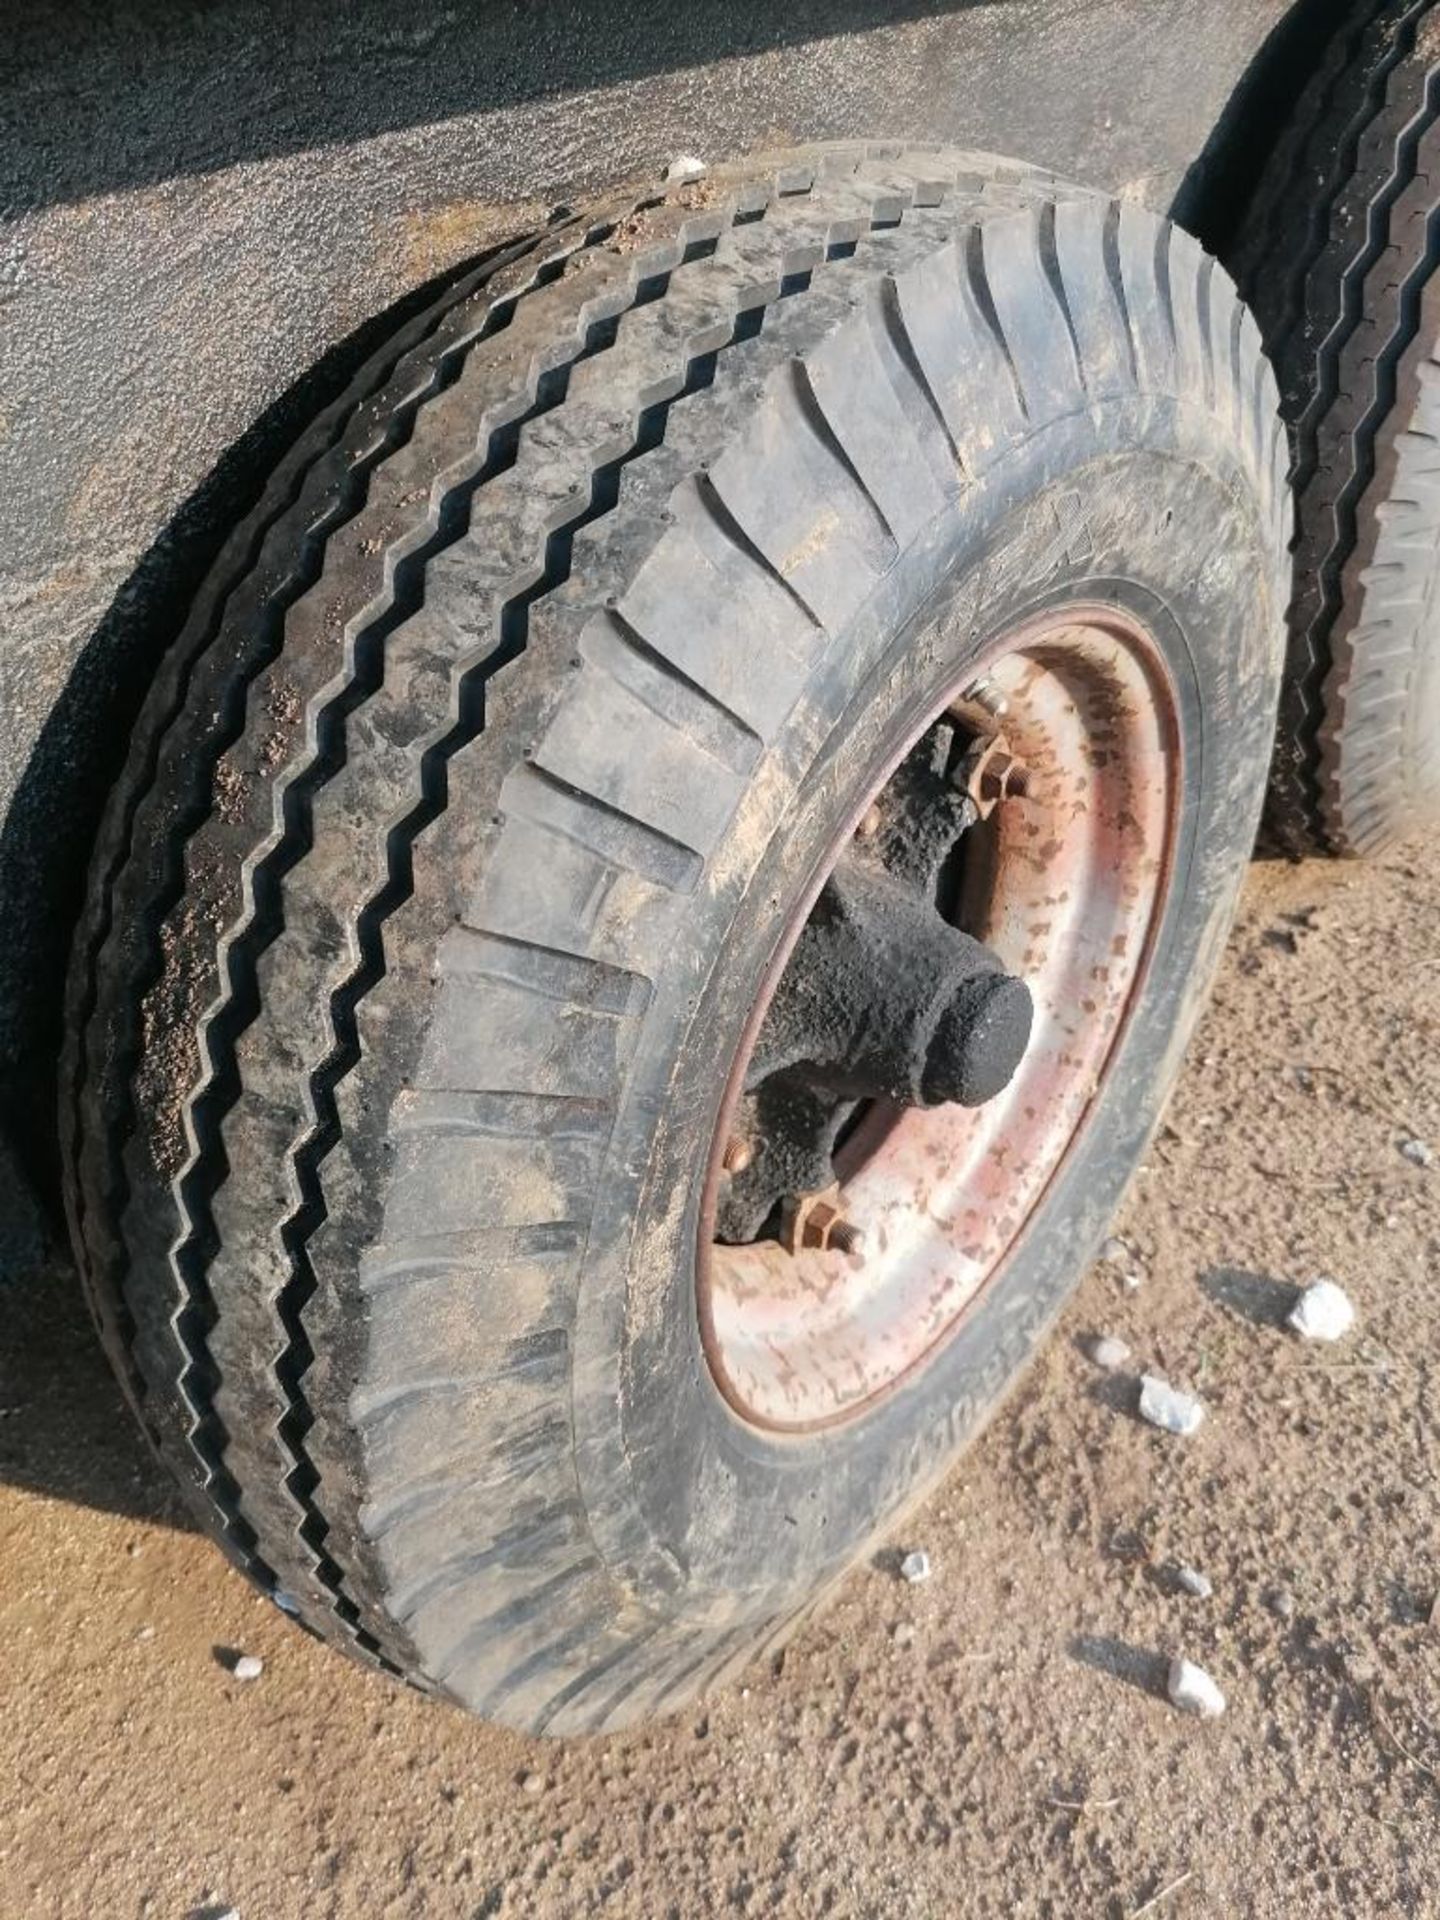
<point>1002,776</point>
<point>737,1155</point>
<point>817,1222</point>
<point>990,773</point>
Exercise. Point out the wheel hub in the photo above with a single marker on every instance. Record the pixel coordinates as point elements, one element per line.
<point>939,1017</point>
<point>883,998</point>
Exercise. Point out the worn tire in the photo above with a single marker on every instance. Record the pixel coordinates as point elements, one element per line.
<point>427,914</point>
<point>1337,258</point>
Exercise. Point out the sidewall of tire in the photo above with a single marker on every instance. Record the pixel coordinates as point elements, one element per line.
<point>1142,503</point>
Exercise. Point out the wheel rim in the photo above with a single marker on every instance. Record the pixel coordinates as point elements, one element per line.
<point>1066,885</point>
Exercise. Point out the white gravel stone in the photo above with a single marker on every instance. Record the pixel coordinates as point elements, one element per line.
<point>1108,1352</point>
<point>915,1567</point>
<point>1416,1152</point>
<point>1193,1691</point>
<point>1167,1407</point>
<point>1193,1582</point>
<point>1324,1311</point>
<point>903,1634</point>
<point>249,1666</point>
<point>1115,1250</point>
<point>684,170</point>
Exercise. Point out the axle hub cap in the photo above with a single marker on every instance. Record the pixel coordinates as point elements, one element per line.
<point>884,998</point>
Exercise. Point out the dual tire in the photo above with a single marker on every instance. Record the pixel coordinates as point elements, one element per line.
<point>1337,256</point>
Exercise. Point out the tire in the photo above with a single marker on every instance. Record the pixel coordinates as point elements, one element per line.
<point>428,912</point>
<point>1337,258</point>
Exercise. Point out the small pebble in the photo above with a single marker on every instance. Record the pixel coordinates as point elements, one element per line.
<point>1416,1152</point>
<point>1108,1352</point>
<point>684,170</point>
<point>915,1567</point>
<point>1323,1312</point>
<point>910,1732</point>
<point>1192,1690</point>
<point>248,1666</point>
<point>532,1783</point>
<point>1116,1253</point>
<point>1281,1603</point>
<point>1167,1407</point>
<point>145,1633</point>
<point>903,1634</point>
<point>1193,1582</point>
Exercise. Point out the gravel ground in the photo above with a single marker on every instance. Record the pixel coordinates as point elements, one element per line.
<point>995,1740</point>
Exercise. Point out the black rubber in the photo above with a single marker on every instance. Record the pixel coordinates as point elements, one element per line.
<point>427,915</point>
<point>1337,257</point>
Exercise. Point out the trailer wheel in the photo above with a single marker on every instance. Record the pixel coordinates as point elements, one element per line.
<point>656,902</point>
<point>1337,257</point>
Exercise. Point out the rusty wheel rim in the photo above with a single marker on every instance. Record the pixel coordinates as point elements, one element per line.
<point>1067,885</point>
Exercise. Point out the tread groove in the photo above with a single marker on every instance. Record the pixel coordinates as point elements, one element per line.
<point>669,862</point>
<point>1049,252</point>
<point>978,282</point>
<point>893,321</point>
<point>1162,281</point>
<point>611,642</point>
<point>1114,273</point>
<point>817,420</point>
<point>725,524</point>
<point>550,973</point>
<point>1207,345</point>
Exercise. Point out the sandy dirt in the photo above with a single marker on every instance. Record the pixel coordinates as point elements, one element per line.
<point>994,1741</point>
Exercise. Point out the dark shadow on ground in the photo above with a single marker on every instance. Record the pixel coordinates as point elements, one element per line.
<point>1139,1667</point>
<point>65,1430</point>
<point>1252,1297</point>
